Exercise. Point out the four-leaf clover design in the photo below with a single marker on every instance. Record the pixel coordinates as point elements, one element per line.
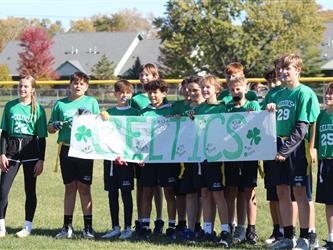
<point>82,133</point>
<point>254,136</point>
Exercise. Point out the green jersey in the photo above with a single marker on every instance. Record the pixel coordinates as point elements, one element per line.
<point>226,97</point>
<point>64,110</point>
<point>206,108</point>
<point>17,120</point>
<point>270,96</point>
<point>293,105</point>
<point>163,110</point>
<point>247,106</point>
<point>324,135</point>
<point>123,111</point>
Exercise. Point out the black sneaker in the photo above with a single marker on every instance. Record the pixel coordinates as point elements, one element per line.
<point>88,233</point>
<point>276,236</point>
<point>198,232</point>
<point>137,226</point>
<point>327,246</point>
<point>158,229</point>
<point>225,239</point>
<point>206,237</point>
<point>180,231</point>
<point>251,237</point>
<point>145,233</point>
<point>171,233</point>
<point>313,240</point>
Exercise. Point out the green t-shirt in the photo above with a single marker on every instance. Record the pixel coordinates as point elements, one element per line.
<point>123,111</point>
<point>270,96</point>
<point>163,110</point>
<point>64,109</point>
<point>17,120</point>
<point>247,106</point>
<point>179,106</point>
<point>226,97</point>
<point>139,101</point>
<point>293,105</point>
<point>324,135</point>
<point>206,108</point>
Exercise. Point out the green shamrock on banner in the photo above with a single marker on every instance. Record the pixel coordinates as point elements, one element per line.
<point>82,133</point>
<point>254,136</point>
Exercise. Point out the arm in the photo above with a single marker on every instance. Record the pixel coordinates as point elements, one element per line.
<point>4,161</point>
<point>313,151</point>
<point>41,142</point>
<point>296,137</point>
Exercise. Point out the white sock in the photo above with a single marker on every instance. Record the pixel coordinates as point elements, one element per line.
<point>208,227</point>
<point>330,237</point>
<point>225,228</point>
<point>312,230</point>
<point>28,225</point>
<point>281,229</point>
<point>2,225</point>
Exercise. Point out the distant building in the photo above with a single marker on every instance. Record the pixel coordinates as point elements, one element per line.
<point>80,51</point>
<point>326,49</point>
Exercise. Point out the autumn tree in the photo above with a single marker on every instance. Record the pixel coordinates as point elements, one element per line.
<point>36,58</point>
<point>83,25</point>
<point>204,36</point>
<point>5,73</point>
<point>103,69</point>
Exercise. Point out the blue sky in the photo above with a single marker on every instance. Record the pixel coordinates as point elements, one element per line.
<point>66,10</point>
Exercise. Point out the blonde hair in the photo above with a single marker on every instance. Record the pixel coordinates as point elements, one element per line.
<point>212,80</point>
<point>238,80</point>
<point>233,68</point>
<point>290,59</point>
<point>32,81</point>
<point>151,69</point>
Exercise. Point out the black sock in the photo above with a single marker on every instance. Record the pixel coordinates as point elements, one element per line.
<point>288,232</point>
<point>197,227</point>
<point>251,228</point>
<point>304,233</point>
<point>182,223</point>
<point>87,221</point>
<point>68,219</point>
<point>172,224</point>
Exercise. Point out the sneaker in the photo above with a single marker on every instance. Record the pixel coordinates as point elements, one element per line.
<point>314,242</point>
<point>65,233</point>
<point>239,234</point>
<point>145,233</point>
<point>302,244</point>
<point>327,246</point>
<point>126,234</point>
<point>206,237</point>
<point>23,233</point>
<point>251,237</point>
<point>180,229</point>
<point>276,235</point>
<point>113,233</point>
<point>158,229</point>
<point>285,243</point>
<point>187,235</point>
<point>171,233</point>
<point>88,233</point>
<point>225,239</point>
<point>137,227</point>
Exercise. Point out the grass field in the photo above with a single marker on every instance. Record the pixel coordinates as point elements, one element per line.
<point>49,215</point>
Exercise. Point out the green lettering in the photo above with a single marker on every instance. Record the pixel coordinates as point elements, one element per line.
<point>151,147</point>
<point>131,135</point>
<point>237,138</point>
<point>210,119</point>
<point>174,144</point>
<point>195,156</point>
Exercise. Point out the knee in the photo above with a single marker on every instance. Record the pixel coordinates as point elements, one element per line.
<point>71,188</point>
<point>169,194</point>
<point>84,189</point>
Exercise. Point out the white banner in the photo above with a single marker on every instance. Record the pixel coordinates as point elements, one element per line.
<point>243,136</point>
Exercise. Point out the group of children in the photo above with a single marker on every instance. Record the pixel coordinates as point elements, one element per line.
<point>190,189</point>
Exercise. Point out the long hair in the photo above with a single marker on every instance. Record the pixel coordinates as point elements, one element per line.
<point>32,81</point>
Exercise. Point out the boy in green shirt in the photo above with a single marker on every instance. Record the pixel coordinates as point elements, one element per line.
<point>76,173</point>
<point>154,174</point>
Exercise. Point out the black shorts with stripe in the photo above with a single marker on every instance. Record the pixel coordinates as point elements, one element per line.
<point>241,174</point>
<point>160,174</point>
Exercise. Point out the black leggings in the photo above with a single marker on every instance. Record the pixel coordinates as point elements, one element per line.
<point>114,207</point>
<point>6,182</point>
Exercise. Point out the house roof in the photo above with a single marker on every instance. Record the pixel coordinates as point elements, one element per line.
<point>326,46</point>
<point>82,50</point>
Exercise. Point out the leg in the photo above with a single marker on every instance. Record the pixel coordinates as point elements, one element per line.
<point>114,207</point>
<point>70,196</point>
<point>230,195</point>
<point>139,197</point>
<point>221,206</point>
<point>192,200</point>
<point>304,209</point>
<point>158,199</point>
<point>128,207</point>
<point>251,205</point>
<point>148,193</point>
<point>207,209</point>
<point>286,211</point>
<point>171,202</point>
<point>181,208</point>
<point>30,191</point>
<point>241,208</point>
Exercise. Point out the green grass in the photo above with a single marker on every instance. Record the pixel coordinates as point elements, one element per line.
<point>49,215</point>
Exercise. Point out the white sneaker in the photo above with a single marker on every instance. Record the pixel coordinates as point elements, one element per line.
<point>115,232</point>
<point>239,234</point>
<point>125,234</point>
<point>65,233</point>
<point>302,244</point>
<point>2,233</point>
<point>23,233</point>
<point>284,243</point>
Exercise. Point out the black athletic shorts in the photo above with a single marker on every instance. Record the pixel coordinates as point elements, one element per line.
<point>118,176</point>
<point>22,149</point>
<point>241,174</point>
<point>213,176</point>
<point>325,182</point>
<point>73,168</point>
<point>160,174</point>
<point>186,183</point>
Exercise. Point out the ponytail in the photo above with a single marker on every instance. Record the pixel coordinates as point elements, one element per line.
<point>33,116</point>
